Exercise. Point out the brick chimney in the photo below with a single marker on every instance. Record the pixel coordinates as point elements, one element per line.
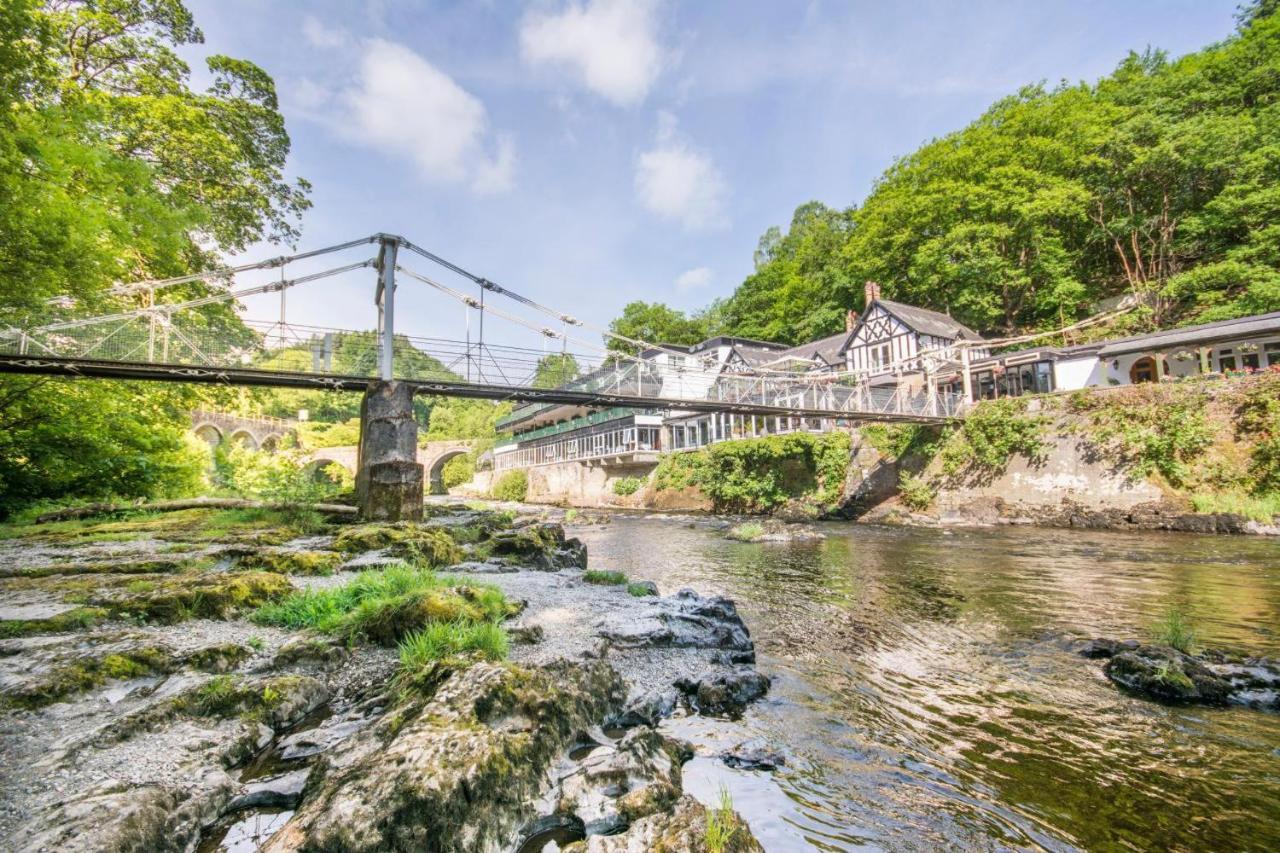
<point>870,292</point>
<point>850,320</point>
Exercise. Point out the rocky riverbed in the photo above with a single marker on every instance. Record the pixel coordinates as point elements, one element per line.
<point>247,680</point>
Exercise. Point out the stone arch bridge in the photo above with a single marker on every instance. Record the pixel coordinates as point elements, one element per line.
<point>432,456</point>
<point>253,432</point>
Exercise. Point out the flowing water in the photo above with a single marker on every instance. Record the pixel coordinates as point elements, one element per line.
<point>926,694</point>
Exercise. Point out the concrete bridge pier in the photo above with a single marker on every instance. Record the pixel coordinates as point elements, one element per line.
<point>388,476</point>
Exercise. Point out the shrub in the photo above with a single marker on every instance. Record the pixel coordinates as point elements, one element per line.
<point>762,474</point>
<point>1149,428</point>
<point>605,578</point>
<point>992,433</point>
<point>458,470</point>
<point>627,486</point>
<point>916,492</point>
<point>897,441</point>
<point>511,486</point>
<point>1175,630</point>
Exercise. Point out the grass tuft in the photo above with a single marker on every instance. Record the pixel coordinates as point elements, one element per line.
<point>386,605</point>
<point>604,578</point>
<point>748,531</point>
<point>1260,508</point>
<point>640,590</point>
<point>722,824</point>
<point>1175,630</point>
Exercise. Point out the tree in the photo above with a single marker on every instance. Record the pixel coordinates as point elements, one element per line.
<point>654,323</point>
<point>113,169</point>
<point>555,370</point>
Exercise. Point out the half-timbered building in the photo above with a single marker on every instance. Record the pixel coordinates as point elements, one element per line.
<point>890,337</point>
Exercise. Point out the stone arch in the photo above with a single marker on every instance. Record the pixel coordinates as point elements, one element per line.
<point>315,469</point>
<point>435,475</point>
<point>271,443</point>
<point>209,434</point>
<point>244,438</point>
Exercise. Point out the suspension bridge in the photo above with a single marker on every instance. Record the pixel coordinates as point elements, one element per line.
<point>193,328</point>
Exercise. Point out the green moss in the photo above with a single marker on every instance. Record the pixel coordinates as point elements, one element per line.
<point>640,590</point>
<point>87,672</point>
<point>219,658</point>
<point>292,562</point>
<point>425,547</point>
<point>604,578</point>
<point>206,596</point>
<point>78,619</point>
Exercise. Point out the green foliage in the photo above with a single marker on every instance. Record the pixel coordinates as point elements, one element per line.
<point>640,590</point>
<point>458,470</point>
<point>316,434</point>
<point>1149,428</point>
<point>386,605</point>
<point>992,433</point>
<point>762,474</point>
<point>1261,508</point>
<point>916,491</point>
<point>1174,629</point>
<point>281,477</point>
<point>113,169</point>
<point>555,370</point>
<point>511,486</point>
<point>441,640</point>
<point>604,578</point>
<point>627,486</point>
<point>748,531</point>
<point>722,824</point>
<point>1258,420</point>
<point>220,696</point>
<point>657,323</point>
<point>897,441</point>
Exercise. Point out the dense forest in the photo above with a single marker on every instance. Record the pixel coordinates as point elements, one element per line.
<point>1160,180</point>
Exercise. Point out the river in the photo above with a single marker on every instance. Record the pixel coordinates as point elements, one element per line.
<point>926,694</point>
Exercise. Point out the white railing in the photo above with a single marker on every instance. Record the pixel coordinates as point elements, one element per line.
<point>600,445</point>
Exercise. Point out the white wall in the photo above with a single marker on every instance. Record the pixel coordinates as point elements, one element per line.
<point>1076,373</point>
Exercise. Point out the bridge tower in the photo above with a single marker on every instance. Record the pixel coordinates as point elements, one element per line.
<point>389,479</point>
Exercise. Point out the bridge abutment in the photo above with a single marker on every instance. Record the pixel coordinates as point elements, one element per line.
<point>388,477</point>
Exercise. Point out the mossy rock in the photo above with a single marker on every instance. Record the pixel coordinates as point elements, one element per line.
<point>426,547</point>
<point>223,657</point>
<point>135,567</point>
<point>89,671</point>
<point>1167,675</point>
<point>292,562</point>
<point>213,595</point>
<point>279,701</point>
<point>310,649</point>
<point>79,619</point>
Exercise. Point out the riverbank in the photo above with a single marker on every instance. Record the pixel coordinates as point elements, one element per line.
<point>1199,456</point>
<point>211,678</point>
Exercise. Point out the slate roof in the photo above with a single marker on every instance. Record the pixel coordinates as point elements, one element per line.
<point>827,349</point>
<point>1206,333</point>
<point>928,322</point>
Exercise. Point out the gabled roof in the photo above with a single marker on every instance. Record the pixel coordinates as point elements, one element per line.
<point>826,349</point>
<point>922,321</point>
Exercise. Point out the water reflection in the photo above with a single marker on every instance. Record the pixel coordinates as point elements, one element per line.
<point>926,694</point>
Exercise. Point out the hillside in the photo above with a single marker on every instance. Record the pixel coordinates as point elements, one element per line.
<point>1158,180</point>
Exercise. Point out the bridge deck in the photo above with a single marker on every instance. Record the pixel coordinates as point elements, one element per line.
<point>156,372</point>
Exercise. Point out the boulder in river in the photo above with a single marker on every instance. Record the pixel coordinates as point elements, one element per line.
<point>753,754</point>
<point>725,694</point>
<point>685,619</point>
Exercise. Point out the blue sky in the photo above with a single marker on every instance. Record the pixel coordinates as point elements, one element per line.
<point>591,152</point>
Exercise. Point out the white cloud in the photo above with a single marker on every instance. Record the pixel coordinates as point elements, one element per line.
<point>319,35</point>
<point>611,45</point>
<point>676,181</point>
<point>693,279</point>
<point>403,105</point>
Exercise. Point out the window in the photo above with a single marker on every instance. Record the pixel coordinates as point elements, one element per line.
<point>1226,360</point>
<point>1272,353</point>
